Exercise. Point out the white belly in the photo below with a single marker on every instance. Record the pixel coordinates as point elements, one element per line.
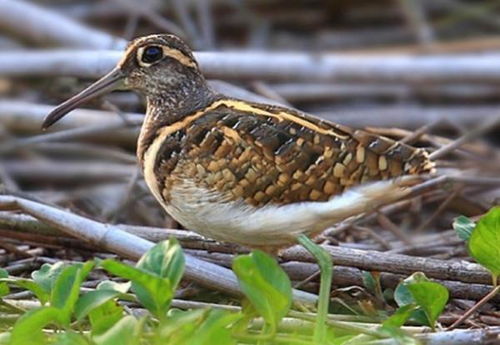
<point>201,210</point>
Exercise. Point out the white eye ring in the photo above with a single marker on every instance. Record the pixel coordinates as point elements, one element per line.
<point>146,56</point>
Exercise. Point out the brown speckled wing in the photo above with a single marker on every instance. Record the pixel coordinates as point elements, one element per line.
<point>272,155</point>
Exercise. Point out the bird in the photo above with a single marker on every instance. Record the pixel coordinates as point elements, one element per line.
<point>259,175</point>
<point>249,173</point>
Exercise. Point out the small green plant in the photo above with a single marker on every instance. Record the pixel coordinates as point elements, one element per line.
<point>483,239</point>
<point>64,290</point>
<point>99,317</point>
<point>392,326</point>
<point>155,277</point>
<point>463,227</point>
<point>421,299</point>
<point>484,243</point>
<point>266,286</point>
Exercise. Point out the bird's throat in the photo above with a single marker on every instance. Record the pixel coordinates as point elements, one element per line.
<point>170,106</point>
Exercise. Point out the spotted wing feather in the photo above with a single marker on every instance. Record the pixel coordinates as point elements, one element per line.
<point>276,159</point>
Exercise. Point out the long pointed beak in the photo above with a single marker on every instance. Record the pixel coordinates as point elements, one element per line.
<point>111,81</point>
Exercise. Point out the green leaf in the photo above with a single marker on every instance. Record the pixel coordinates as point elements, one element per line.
<point>156,276</point>
<point>63,286</point>
<point>398,335</point>
<point>66,289</point>
<point>214,329</point>
<point>4,288</point>
<point>47,274</point>
<point>166,260</point>
<point>463,227</point>
<point>388,295</point>
<point>197,327</point>
<point>403,297</point>
<point>92,300</point>
<point>401,315</point>
<point>111,285</point>
<point>28,284</point>
<point>28,328</point>
<point>105,316</point>
<point>70,338</point>
<point>358,339</point>
<point>179,325</point>
<point>369,282</point>
<point>153,292</point>
<point>265,284</point>
<point>431,297</point>
<point>124,332</point>
<point>340,340</point>
<point>484,243</point>
<point>248,314</point>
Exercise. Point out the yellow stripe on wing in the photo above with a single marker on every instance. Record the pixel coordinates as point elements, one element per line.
<point>252,110</point>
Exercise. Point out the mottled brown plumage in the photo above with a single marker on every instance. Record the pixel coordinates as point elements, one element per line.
<point>272,160</point>
<point>226,167</point>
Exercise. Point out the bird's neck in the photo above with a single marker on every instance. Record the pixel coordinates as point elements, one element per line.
<point>169,105</point>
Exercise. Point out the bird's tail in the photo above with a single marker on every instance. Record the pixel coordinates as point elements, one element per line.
<point>365,198</point>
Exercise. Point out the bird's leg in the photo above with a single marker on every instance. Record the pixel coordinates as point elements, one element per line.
<point>326,269</point>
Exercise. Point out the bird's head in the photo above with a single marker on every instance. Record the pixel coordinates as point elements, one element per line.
<point>153,65</point>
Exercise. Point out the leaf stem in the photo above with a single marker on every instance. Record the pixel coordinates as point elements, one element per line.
<point>266,330</point>
<point>326,267</point>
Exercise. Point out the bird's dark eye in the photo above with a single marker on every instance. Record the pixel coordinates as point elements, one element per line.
<point>151,54</point>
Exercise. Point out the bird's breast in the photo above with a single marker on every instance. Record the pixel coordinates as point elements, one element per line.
<point>216,214</point>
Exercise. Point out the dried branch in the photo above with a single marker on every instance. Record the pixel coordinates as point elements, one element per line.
<point>408,115</point>
<point>488,335</point>
<point>416,18</point>
<point>189,239</point>
<point>21,117</point>
<point>152,15</point>
<point>349,276</point>
<point>70,134</point>
<point>84,150</point>
<point>485,126</point>
<point>69,172</point>
<point>181,11</point>
<point>370,260</point>
<point>205,23</point>
<point>314,92</point>
<point>42,26</point>
<point>25,118</point>
<point>252,65</point>
<point>493,293</point>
